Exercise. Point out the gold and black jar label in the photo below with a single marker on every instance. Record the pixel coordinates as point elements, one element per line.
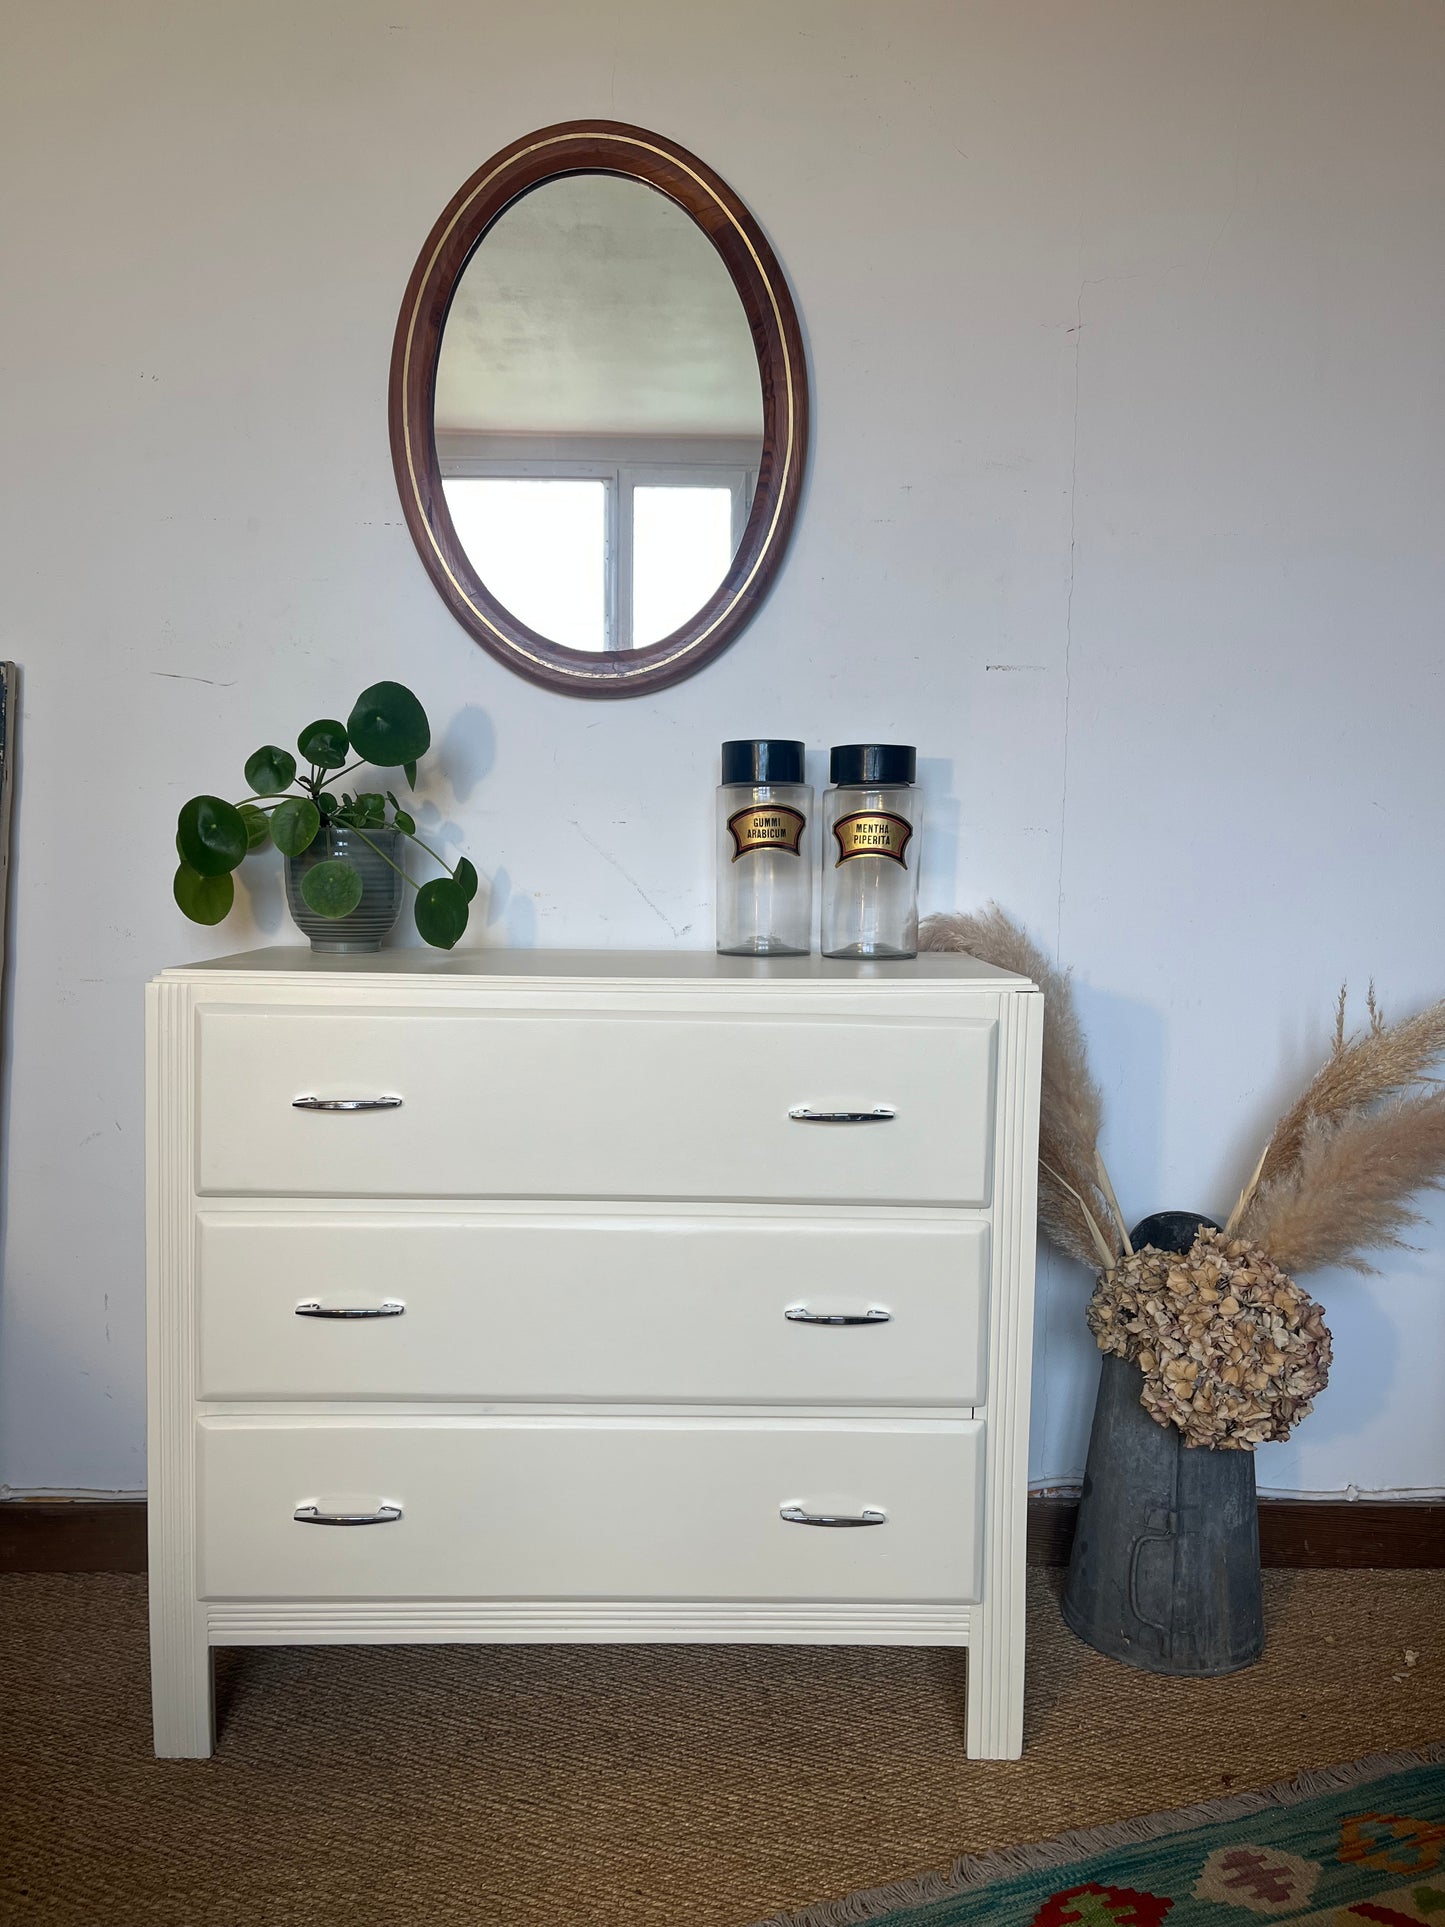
<point>766,826</point>
<point>873,833</point>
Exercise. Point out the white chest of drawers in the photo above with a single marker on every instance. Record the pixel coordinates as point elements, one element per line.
<point>598,1296</point>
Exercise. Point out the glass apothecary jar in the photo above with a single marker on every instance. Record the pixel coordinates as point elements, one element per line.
<point>764,852</point>
<point>871,824</point>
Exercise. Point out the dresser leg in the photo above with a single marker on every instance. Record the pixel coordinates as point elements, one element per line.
<point>182,1695</point>
<point>995,1705</point>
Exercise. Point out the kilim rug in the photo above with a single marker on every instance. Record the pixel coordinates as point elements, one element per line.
<point>1354,1846</point>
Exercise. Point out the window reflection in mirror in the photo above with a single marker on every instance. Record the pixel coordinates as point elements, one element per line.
<point>598,413</point>
<point>514,530</point>
<point>683,538</point>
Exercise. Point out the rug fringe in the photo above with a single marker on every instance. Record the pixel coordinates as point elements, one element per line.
<point>978,1870</point>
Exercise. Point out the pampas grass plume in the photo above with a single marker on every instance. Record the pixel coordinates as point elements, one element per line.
<point>1076,1210</point>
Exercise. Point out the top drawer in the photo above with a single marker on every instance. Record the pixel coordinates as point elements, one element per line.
<point>538,1103</point>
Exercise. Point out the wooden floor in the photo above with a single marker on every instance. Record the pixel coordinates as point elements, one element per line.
<point>697,1787</point>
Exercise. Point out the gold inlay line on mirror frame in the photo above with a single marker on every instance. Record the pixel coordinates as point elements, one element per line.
<point>619,140</point>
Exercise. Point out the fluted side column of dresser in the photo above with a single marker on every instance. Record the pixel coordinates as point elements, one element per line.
<point>531,1296</point>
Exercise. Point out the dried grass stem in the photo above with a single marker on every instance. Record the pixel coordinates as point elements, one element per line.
<point>1076,1212</point>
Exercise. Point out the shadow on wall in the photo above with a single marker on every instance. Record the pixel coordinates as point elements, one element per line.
<point>259,889</point>
<point>1366,1366</point>
<point>942,817</point>
<point>1127,1051</point>
<point>517,915</point>
<point>467,752</point>
<point>465,758</point>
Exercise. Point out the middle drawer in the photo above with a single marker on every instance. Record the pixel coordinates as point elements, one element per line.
<point>562,1308</point>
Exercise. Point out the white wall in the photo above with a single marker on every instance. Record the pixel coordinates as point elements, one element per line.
<point>1124,505</point>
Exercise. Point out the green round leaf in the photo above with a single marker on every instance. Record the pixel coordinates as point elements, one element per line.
<point>294,824</point>
<point>270,770</point>
<point>258,830</point>
<point>328,805</point>
<point>406,822</point>
<point>332,889</point>
<point>388,726</point>
<point>211,835</point>
<point>465,878</point>
<point>204,899</point>
<point>441,912</point>
<point>372,808</point>
<point>324,743</point>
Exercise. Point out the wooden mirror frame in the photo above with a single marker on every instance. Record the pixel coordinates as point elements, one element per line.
<point>600,147</point>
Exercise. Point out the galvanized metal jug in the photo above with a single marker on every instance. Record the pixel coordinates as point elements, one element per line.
<point>1165,1567</point>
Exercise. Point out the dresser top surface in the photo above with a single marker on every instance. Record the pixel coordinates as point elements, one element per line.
<point>614,966</point>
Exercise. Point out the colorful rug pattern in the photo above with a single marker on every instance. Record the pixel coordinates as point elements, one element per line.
<point>1357,1846</point>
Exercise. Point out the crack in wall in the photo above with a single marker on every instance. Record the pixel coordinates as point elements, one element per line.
<point>608,857</point>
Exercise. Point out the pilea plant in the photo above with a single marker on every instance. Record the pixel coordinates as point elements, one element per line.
<point>290,807</point>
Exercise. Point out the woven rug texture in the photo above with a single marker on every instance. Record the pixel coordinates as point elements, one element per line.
<point>1360,1845</point>
<point>552,1786</point>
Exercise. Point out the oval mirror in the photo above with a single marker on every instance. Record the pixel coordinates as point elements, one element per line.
<point>599,409</point>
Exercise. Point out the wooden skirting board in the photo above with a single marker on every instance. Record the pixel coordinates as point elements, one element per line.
<point>110,1535</point>
<point>1294,1532</point>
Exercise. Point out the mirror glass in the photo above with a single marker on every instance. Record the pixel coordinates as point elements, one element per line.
<point>599,413</point>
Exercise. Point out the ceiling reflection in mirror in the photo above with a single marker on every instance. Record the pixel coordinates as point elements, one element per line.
<point>599,413</point>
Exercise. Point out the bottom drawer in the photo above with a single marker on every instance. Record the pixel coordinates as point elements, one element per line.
<point>595,1509</point>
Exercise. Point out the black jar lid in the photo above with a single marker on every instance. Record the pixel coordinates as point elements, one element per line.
<point>873,763</point>
<point>764,762</point>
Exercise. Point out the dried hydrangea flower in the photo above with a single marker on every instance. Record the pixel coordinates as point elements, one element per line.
<point>1233,1352</point>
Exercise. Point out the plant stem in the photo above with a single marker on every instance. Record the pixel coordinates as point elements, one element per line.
<point>1100,1245</point>
<point>1246,1196</point>
<point>381,853</point>
<point>430,852</point>
<point>1107,1188</point>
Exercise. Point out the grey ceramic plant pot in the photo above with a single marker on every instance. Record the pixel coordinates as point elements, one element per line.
<point>382,888</point>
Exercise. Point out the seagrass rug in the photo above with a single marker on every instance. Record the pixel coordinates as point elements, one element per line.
<point>1353,1846</point>
<point>633,1786</point>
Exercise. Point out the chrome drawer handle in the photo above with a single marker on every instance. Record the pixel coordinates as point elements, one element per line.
<point>313,1308</point>
<point>874,1315</point>
<point>346,1103</point>
<point>312,1515</point>
<point>869,1516</point>
<point>805,1114</point>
